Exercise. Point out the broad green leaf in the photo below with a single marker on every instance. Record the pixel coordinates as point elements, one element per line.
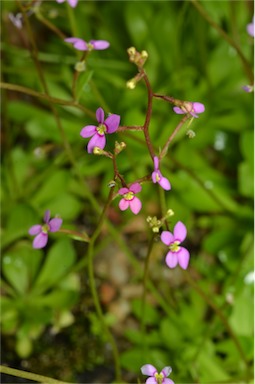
<point>20,265</point>
<point>58,263</point>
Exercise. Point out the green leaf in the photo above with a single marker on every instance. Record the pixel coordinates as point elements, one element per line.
<point>20,265</point>
<point>58,263</point>
<point>242,317</point>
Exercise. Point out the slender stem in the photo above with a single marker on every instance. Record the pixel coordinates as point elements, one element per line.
<point>50,99</point>
<point>232,42</point>
<point>130,128</point>
<point>148,116</point>
<point>94,291</point>
<point>165,148</point>
<point>145,279</point>
<point>48,24</point>
<point>29,375</point>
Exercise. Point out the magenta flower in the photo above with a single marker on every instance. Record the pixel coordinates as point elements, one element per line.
<point>108,125</point>
<point>41,231</point>
<point>191,108</point>
<point>250,28</point>
<point>82,45</point>
<point>176,254</point>
<point>129,199</point>
<point>72,3</point>
<point>155,377</point>
<point>157,176</point>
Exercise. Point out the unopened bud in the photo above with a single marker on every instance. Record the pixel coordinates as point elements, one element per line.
<point>154,223</point>
<point>131,84</point>
<point>119,147</point>
<point>144,55</point>
<point>98,151</point>
<point>169,213</point>
<point>80,66</point>
<point>191,134</point>
<point>111,184</point>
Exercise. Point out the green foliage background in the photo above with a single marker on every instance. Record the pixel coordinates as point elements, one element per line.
<point>206,334</point>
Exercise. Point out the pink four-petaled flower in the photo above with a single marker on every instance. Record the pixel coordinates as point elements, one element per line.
<point>129,199</point>
<point>108,125</point>
<point>193,108</point>
<point>176,254</point>
<point>82,45</point>
<point>72,3</point>
<point>41,231</point>
<point>157,176</point>
<point>155,377</point>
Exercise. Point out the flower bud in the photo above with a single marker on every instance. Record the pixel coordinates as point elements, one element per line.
<point>119,147</point>
<point>80,66</point>
<point>191,134</point>
<point>131,84</point>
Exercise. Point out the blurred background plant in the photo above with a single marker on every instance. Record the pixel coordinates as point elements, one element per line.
<point>200,321</point>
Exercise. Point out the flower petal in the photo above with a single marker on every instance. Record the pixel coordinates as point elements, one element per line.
<point>73,3</point>
<point>96,141</point>
<point>151,380</point>
<point>183,257</point>
<point>156,162</point>
<point>171,259</point>
<point>47,216</point>
<point>123,204</point>
<point>180,231</point>
<point>198,107</point>
<point>55,224</point>
<point>168,381</point>
<point>165,183</point>
<point>122,191</point>
<point>148,370</point>
<point>79,44</point>
<point>100,44</point>
<point>100,115</point>
<point>135,205</point>
<point>40,240</point>
<point>135,187</point>
<point>112,122</point>
<point>154,176</point>
<point>35,229</point>
<point>167,237</point>
<point>88,131</point>
<point>178,110</point>
<point>166,371</point>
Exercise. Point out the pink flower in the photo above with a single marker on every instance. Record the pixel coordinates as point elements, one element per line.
<point>176,254</point>
<point>72,3</point>
<point>41,231</point>
<point>248,88</point>
<point>82,45</point>
<point>108,125</point>
<point>129,199</point>
<point>155,377</point>
<point>191,108</point>
<point>250,28</point>
<point>157,176</point>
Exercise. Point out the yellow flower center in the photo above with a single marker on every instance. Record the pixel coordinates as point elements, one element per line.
<point>157,177</point>
<point>129,195</point>
<point>45,228</point>
<point>174,247</point>
<point>90,46</point>
<point>159,377</point>
<point>101,129</point>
